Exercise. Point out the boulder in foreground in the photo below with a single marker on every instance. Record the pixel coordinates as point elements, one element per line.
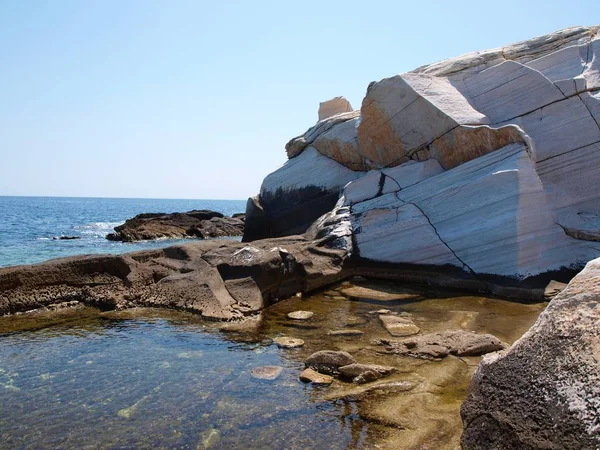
<point>544,392</point>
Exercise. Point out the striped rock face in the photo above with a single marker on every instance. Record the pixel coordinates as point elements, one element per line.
<point>487,164</point>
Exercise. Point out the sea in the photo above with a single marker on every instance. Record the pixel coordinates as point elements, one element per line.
<point>29,225</point>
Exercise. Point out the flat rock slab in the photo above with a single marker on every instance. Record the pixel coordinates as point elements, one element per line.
<point>288,342</point>
<point>385,294</point>
<point>266,372</point>
<point>345,333</point>
<point>449,342</point>
<point>329,361</point>
<point>398,326</point>
<point>553,289</point>
<point>300,315</point>
<point>314,377</point>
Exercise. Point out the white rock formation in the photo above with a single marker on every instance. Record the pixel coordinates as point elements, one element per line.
<point>336,105</point>
<point>489,162</point>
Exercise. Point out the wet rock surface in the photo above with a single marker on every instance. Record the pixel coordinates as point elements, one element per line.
<point>202,224</point>
<point>288,342</point>
<point>266,372</point>
<point>444,343</point>
<point>398,326</point>
<point>300,315</point>
<point>312,376</point>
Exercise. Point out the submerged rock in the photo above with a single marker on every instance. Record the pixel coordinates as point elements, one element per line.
<point>288,342</point>
<point>544,391</point>
<point>364,373</point>
<point>351,332</point>
<point>300,315</point>
<point>311,376</point>
<point>329,361</point>
<point>266,372</point>
<point>444,343</point>
<point>398,326</point>
<point>200,224</point>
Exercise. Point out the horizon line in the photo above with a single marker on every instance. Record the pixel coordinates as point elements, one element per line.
<point>124,198</point>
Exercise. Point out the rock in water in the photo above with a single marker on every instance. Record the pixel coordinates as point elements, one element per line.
<point>300,315</point>
<point>364,373</point>
<point>201,224</point>
<point>266,372</point>
<point>444,343</point>
<point>288,342</point>
<point>398,326</point>
<point>544,392</point>
<point>329,361</point>
<point>314,377</point>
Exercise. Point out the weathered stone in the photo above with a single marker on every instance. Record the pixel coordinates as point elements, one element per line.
<point>217,279</point>
<point>201,224</point>
<point>543,392</point>
<point>336,105</point>
<point>383,293</point>
<point>350,332</point>
<point>398,326</point>
<point>314,377</point>
<point>329,361</point>
<point>444,343</point>
<point>266,372</point>
<point>288,342</point>
<point>300,315</point>
<point>353,371</point>
<point>553,289</point>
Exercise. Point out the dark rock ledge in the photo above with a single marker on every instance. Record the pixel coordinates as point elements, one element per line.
<point>218,279</point>
<point>202,224</point>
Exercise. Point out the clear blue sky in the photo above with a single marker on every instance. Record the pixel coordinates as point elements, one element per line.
<point>195,99</point>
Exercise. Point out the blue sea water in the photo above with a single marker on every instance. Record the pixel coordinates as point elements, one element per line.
<point>28,224</point>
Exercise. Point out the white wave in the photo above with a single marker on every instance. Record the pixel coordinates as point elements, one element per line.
<point>97,229</point>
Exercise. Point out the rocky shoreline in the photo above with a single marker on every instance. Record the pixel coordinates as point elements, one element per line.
<point>202,224</point>
<point>456,175</point>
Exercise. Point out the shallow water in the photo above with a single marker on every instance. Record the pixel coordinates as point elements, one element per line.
<point>29,224</point>
<point>158,379</point>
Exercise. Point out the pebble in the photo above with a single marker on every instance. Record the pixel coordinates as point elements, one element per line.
<point>288,342</point>
<point>300,315</point>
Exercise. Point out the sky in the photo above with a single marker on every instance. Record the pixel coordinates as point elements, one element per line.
<point>197,99</point>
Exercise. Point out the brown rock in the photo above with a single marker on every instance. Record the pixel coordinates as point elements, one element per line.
<point>314,377</point>
<point>444,343</point>
<point>383,293</point>
<point>218,279</point>
<point>398,326</point>
<point>201,224</point>
<point>345,333</point>
<point>553,289</point>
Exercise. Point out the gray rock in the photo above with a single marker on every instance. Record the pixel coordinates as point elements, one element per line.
<point>359,373</point>
<point>544,392</point>
<point>329,361</point>
<point>444,343</point>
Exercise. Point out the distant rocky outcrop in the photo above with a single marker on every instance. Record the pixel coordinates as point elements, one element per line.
<point>485,166</point>
<point>202,224</point>
<point>544,392</point>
